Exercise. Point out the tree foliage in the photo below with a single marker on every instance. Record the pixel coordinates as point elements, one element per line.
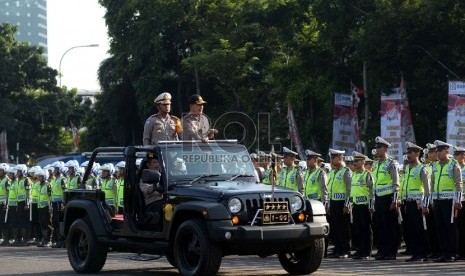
<point>33,109</point>
<point>256,56</point>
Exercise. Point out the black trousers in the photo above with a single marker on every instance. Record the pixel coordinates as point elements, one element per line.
<point>432,233</point>
<point>45,222</point>
<point>406,229</point>
<point>362,224</point>
<point>461,230</point>
<point>386,226</point>
<point>3,225</point>
<point>56,220</point>
<point>339,224</point>
<point>35,224</point>
<point>447,231</point>
<point>418,235</point>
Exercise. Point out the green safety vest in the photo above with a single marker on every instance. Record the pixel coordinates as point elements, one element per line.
<point>121,193</point>
<point>413,185</point>
<point>57,190</point>
<point>72,182</point>
<point>3,189</point>
<point>444,183</point>
<point>13,194</point>
<point>35,192</point>
<point>44,195</point>
<point>266,177</point>
<point>383,179</point>
<point>336,185</point>
<point>359,192</point>
<point>108,186</point>
<point>288,179</point>
<point>312,186</point>
<point>21,189</point>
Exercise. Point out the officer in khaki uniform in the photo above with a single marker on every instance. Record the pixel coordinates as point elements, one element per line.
<point>416,193</point>
<point>459,156</point>
<point>386,188</point>
<point>339,185</point>
<point>290,176</point>
<point>162,126</point>
<point>446,186</point>
<point>361,195</point>
<point>196,125</point>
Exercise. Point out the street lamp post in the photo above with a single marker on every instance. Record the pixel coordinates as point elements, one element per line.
<point>74,47</point>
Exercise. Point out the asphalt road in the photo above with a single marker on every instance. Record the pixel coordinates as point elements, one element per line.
<point>47,261</point>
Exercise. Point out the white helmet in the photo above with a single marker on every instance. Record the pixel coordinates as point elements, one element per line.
<point>4,167</point>
<point>96,169</point>
<point>33,170</point>
<point>42,173</point>
<point>180,164</point>
<point>73,164</point>
<point>59,165</point>
<point>22,168</point>
<point>120,165</point>
<point>108,167</point>
<point>303,165</point>
<point>11,170</point>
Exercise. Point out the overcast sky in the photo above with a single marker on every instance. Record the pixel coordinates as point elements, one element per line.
<point>73,23</point>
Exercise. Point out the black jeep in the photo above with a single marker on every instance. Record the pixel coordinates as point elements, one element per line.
<point>212,206</point>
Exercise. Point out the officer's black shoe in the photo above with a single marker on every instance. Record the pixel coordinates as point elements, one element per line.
<point>344,256</point>
<point>361,257</point>
<point>416,259</point>
<point>41,244</point>
<point>5,243</point>
<point>390,258</point>
<point>406,252</point>
<point>380,257</point>
<point>445,259</point>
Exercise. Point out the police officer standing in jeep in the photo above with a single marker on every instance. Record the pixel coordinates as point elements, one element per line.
<point>162,126</point>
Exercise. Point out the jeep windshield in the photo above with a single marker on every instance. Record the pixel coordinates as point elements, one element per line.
<point>193,163</point>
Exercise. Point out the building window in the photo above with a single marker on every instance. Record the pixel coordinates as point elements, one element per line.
<point>7,4</point>
<point>28,15</point>
<point>17,14</point>
<point>7,13</point>
<point>29,33</point>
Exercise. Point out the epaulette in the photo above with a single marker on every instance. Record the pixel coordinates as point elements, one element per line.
<point>174,117</point>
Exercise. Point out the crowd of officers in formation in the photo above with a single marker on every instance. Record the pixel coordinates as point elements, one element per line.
<point>31,198</point>
<point>377,203</point>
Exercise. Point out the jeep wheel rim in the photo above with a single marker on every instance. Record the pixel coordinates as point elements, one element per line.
<point>81,246</point>
<point>191,250</point>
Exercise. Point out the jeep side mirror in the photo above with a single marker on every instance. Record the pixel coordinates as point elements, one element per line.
<point>150,176</point>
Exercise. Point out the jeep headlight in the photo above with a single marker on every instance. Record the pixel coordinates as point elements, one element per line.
<point>235,205</point>
<point>296,204</point>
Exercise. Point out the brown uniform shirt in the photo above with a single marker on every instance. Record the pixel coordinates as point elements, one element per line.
<point>159,128</point>
<point>195,127</point>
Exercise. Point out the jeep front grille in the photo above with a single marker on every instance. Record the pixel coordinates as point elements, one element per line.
<point>252,206</point>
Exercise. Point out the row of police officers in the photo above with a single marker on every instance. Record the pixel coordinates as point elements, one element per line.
<point>424,198</point>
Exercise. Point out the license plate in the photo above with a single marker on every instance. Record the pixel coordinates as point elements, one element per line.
<point>275,212</point>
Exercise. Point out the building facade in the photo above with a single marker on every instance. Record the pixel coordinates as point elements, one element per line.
<point>30,17</point>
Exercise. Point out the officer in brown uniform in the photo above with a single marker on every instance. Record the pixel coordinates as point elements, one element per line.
<point>196,124</point>
<point>162,126</point>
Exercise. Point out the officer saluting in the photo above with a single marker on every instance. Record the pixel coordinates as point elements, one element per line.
<point>162,126</point>
<point>361,195</point>
<point>416,192</point>
<point>339,194</point>
<point>385,173</point>
<point>446,185</point>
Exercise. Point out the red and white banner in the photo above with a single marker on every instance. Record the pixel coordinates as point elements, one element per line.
<point>294,133</point>
<point>391,123</point>
<point>75,133</point>
<point>345,123</point>
<point>456,114</point>
<point>3,147</point>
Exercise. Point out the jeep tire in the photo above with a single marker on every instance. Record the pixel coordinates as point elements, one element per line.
<point>85,253</point>
<point>193,252</point>
<point>304,261</point>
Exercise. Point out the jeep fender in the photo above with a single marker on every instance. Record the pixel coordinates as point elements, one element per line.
<point>316,210</point>
<point>76,209</point>
<point>209,211</point>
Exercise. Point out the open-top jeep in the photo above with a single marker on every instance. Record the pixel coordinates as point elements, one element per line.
<point>212,206</point>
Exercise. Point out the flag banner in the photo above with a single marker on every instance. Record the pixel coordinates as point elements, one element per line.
<point>3,147</point>
<point>456,114</point>
<point>391,123</point>
<point>345,123</point>
<point>294,133</point>
<point>75,133</point>
<point>407,132</point>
